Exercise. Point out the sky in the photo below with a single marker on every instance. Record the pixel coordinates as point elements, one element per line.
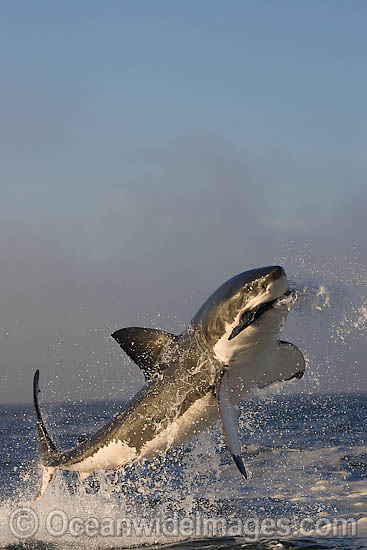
<point>151,150</point>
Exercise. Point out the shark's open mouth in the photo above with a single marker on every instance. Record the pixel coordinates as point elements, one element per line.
<point>249,317</point>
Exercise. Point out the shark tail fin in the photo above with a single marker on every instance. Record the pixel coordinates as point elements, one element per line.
<point>47,473</point>
<point>48,447</point>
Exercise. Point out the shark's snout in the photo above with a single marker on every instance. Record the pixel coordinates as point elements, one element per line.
<point>278,283</point>
<point>275,285</point>
<point>277,272</point>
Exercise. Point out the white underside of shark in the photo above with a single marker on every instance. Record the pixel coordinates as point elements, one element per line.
<point>117,454</point>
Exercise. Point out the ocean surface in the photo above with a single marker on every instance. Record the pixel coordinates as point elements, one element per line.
<point>307,456</point>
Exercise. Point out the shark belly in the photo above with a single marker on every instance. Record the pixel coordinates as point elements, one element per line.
<point>202,413</point>
<point>114,454</point>
<point>118,452</point>
<point>252,354</point>
<point>246,370</point>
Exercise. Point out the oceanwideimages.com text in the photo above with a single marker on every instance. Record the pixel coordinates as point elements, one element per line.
<point>25,523</point>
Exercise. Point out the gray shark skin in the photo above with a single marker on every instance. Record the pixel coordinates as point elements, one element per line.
<point>230,347</point>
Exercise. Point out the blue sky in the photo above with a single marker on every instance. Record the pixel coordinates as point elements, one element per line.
<point>149,150</point>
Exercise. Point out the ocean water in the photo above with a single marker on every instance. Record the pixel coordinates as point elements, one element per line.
<point>307,455</point>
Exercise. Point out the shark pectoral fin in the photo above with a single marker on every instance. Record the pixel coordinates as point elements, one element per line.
<point>292,359</point>
<point>228,416</point>
<point>289,364</point>
<point>144,346</point>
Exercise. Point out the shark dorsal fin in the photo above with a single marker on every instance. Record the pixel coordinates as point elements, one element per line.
<point>144,346</point>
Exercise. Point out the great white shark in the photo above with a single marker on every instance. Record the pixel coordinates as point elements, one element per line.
<point>229,348</point>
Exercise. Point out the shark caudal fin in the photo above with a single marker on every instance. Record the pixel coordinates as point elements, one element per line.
<point>48,448</point>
